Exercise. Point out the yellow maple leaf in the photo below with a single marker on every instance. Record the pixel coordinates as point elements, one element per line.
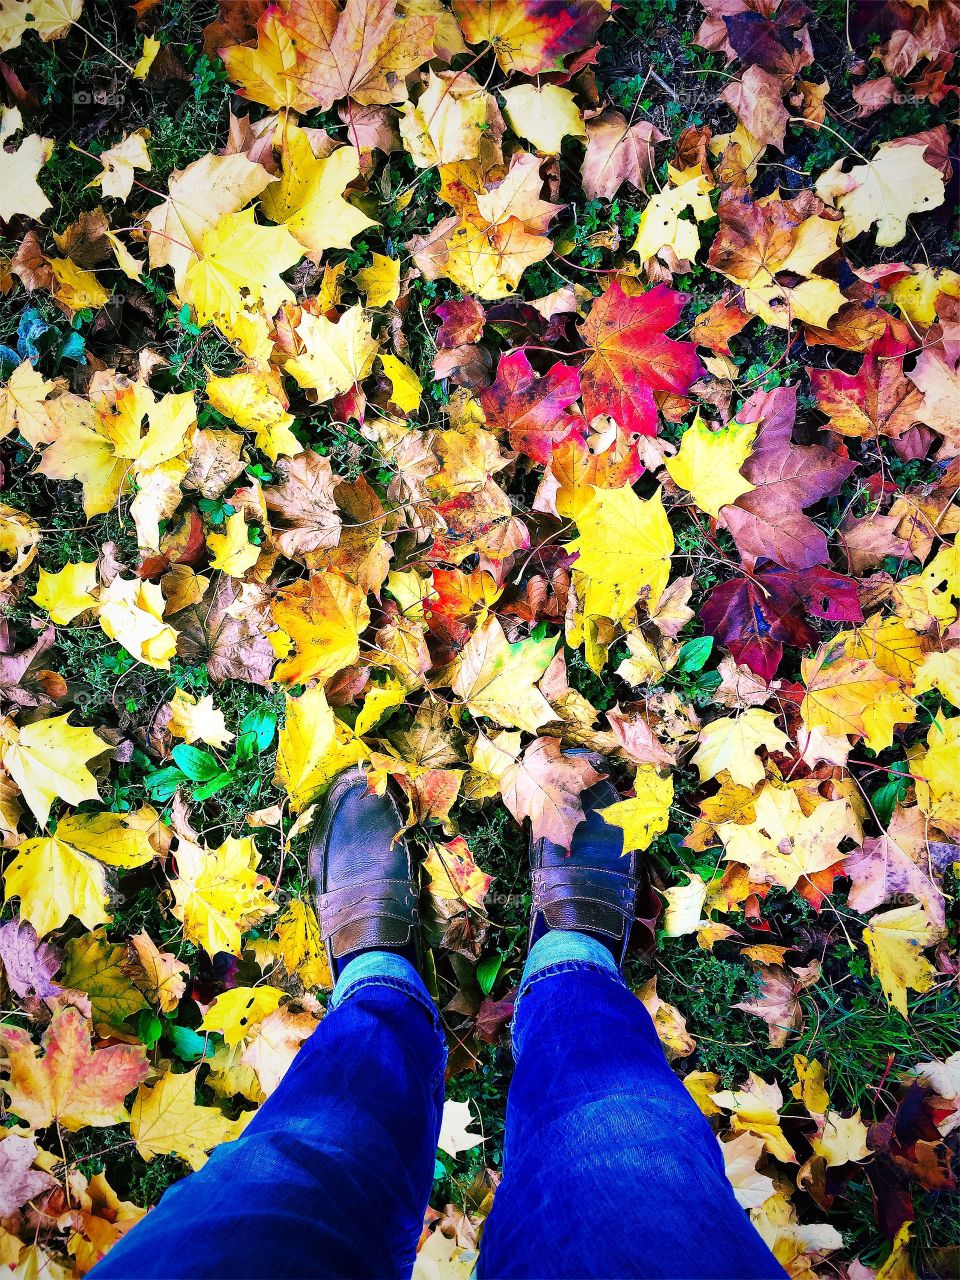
<point>701,1086</point>
<point>147,430</point>
<point>335,356</point>
<point>841,1140</point>
<point>80,450</point>
<point>645,815</point>
<point>490,758</point>
<point>449,120</point>
<point>544,115</point>
<point>314,746</point>
<point>236,1012</point>
<point>54,881</point>
<point>731,803</point>
<point>497,679</point>
<point>272,72</point>
<point>740,1156</point>
<point>131,612</point>
<point>732,743</point>
<point>118,839</point>
<point>197,721</point>
<point>19,540</point>
<point>916,294</point>
<point>899,1264</point>
<point>940,671</point>
<point>684,913</point>
<point>238,268</point>
<point>275,1043</point>
<point>797,1247</point>
<point>378,700</point>
<point>50,19</point>
<point>708,463</point>
<point>48,761</point>
<point>75,287</point>
<point>23,407</point>
<point>937,773</point>
<point>624,547</point>
<point>852,696</point>
<point>895,941</point>
<point>232,552</point>
<point>151,48</point>
<point>894,647</point>
<point>810,1088</point>
<point>197,198</point>
<point>164,977</point>
<point>756,1109</point>
<point>59,876</point>
<point>157,498</point>
<point>406,387</point>
<point>166,1120</point>
<point>133,268</point>
<point>323,615</point>
<point>454,877</point>
<point>661,226</point>
<point>500,229</point>
<point>126,436</point>
<point>218,893</point>
<point>783,843</point>
<point>929,596</point>
<point>256,401</point>
<point>66,593</point>
<point>301,945</point>
<point>20,192</point>
<point>669,1023</point>
<point>454,1135</point>
<point>898,181</point>
<point>487,258</point>
<point>308,199</point>
<point>380,282</point>
<point>119,163</point>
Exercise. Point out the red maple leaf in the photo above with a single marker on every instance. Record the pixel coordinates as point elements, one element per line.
<point>632,357</point>
<point>878,400</point>
<point>532,409</point>
<point>756,616</point>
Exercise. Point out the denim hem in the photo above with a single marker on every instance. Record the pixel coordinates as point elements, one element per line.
<point>383,969</point>
<point>566,947</point>
<point>375,962</point>
<point>562,951</point>
<point>570,966</point>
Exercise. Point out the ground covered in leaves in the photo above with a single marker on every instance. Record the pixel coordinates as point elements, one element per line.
<point>448,387</point>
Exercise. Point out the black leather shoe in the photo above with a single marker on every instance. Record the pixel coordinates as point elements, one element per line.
<point>592,886</point>
<point>363,876</point>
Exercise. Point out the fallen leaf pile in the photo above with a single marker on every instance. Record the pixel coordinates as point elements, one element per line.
<point>449,408</point>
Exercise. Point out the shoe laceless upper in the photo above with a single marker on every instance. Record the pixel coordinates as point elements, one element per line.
<point>591,887</point>
<point>362,871</point>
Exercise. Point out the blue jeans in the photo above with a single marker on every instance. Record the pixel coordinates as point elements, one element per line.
<point>609,1168</point>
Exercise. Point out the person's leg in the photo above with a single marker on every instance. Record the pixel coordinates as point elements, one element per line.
<point>610,1170</point>
<point>332,1176</point>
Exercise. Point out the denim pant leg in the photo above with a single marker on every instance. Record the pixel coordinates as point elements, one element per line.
<point>610,1170</point>
<point>332,1176</point>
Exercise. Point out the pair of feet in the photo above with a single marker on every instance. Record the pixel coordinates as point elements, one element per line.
<point>367,884</point>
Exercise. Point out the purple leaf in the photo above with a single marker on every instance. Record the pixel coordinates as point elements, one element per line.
<point>28,963</point>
